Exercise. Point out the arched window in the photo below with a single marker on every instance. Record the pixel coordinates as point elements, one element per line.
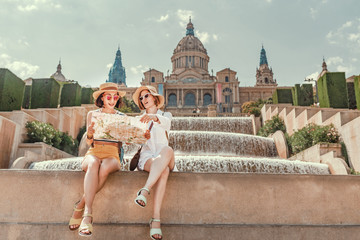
<point>189,99</point>
<point>226,79</point>
<point>266,80</point>
<point>207,99</point>
<point>152,79</point>
<point>172,101</point>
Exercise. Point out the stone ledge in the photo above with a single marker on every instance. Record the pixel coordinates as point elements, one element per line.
<point>231,198</point>
<point>190,232</point>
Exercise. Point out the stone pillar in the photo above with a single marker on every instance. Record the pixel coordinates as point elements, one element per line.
<point>182,97</point>
<point>212,110</point>
<point>197,97</point>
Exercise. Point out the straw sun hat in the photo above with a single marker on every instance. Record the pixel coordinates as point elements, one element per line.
<point>105,87</point>
<point>152,91</point>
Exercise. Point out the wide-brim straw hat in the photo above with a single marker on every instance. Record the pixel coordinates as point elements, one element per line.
<point>108,87</point>
<point>152,91</point>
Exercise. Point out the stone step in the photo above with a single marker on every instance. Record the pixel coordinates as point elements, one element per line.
<point>136,231</point>
<point>221,143</point>
<point>216,124</point>
<point>223,164</point>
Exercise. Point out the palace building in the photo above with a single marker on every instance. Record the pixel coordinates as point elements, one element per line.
<point>190,85</point>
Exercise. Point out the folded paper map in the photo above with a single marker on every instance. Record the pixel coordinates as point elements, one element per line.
<point>114,127</point>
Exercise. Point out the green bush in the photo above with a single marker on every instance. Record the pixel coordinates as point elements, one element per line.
<point>87,96</point>
<point>311,135</point>
<point>44,132</point>
<point>332,90</point>
<point>128,106</point>
<point>282,95</point>
<point>70,95</point>
<point>11,91</point>
<point>254,107</point>
<point>45,93</point>
<point>271,126</point>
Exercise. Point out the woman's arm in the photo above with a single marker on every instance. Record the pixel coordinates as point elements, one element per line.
<point>89,129</point>
<point>164,121</point>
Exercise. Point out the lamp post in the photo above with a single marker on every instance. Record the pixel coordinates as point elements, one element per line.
<point>316,88</point>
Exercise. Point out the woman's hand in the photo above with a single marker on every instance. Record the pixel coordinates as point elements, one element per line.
<point>90,131</point>
<point>147,134</point>
<point>149,117</point>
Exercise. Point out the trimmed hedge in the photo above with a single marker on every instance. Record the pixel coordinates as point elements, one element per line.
<point>27,97</point>
<point>351,95</point>
<point>70,95</point>
<point>282,95</point>
<point>332,90</point>
<point>45,93</point>
<point>11,91</point>
<point>357,91</point>
<point>302,96</point>
<point>87,95</point>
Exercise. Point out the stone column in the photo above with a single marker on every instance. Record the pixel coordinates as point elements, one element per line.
<point>177,97</point>
<point>182,97</point>
<point>197,97</point>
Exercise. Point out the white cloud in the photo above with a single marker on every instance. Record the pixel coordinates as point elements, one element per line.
<point>354,59</point>
<point>324,1</point>
<point>183,16</point>
<point>139,69</point>
<point>33,5</point>
<point>313,13</point>
<point>354,37</point>
<point>108,66</point>
<point>268,1</point>
<point>27,8</point>
<point>312,76</point>
<point>163,18</point>
<point>345,69</point>
<point>347,35</point>
<point>215,37</point>
<point>20,68</point>
<point>347,24</point>
<point>334,60</point>
<point>203,36</point>
<point>23,42</point>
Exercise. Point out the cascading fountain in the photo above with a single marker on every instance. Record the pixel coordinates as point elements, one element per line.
<point>214,145</point>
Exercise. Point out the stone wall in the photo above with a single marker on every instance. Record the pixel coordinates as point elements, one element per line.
<point>196,206</point>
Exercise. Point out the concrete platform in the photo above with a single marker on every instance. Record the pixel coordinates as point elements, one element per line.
<point>38,205</point>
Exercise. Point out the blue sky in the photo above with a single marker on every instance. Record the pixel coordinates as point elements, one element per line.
<point>86,34</point>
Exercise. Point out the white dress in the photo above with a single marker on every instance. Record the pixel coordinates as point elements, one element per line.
<point>158,139</point>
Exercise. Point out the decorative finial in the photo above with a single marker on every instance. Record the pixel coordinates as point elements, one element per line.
<point>60,60</point>
<point>189,18</point>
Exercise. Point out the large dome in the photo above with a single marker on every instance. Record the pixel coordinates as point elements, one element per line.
<point>190,42</point>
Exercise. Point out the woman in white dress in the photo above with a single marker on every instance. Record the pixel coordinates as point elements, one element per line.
<point>156,156</point>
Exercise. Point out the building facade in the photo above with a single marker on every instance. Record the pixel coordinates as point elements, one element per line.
<point>190,85</point>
